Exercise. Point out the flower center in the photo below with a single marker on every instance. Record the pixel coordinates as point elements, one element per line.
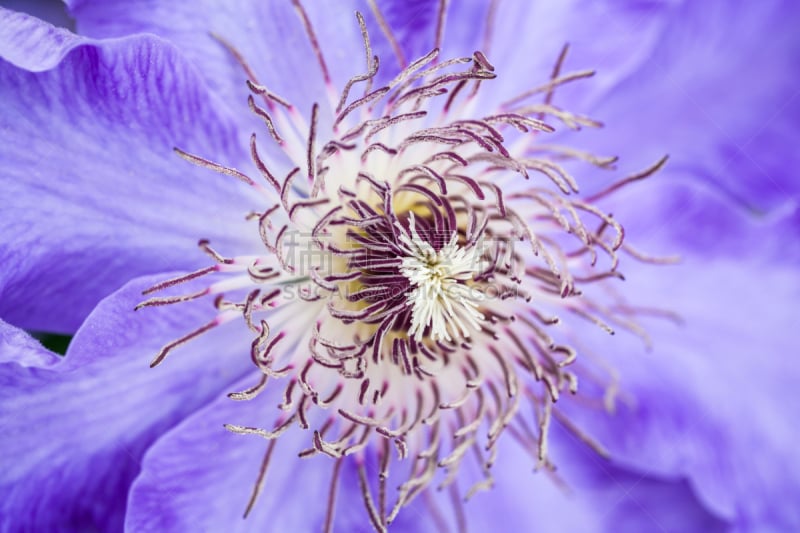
<point>442,303</point>
<point>396,234</point>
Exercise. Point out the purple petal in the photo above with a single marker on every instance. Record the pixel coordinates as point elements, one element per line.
<point>608,36</point>
<point>269,35</point>
<point>52,11</point>
<point>22,38</point>
<point>75,430</point>
<point>413,26</point>
<point>674,213</point>
<point>712,400</point>
<point>22,349</point>
<point>524,39</point>
<point>721,95</point>
<point>97,195</point>
<point>200,475</point>
<point>587,493</point>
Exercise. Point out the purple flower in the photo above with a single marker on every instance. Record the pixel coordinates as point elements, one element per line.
<point>385,265</point>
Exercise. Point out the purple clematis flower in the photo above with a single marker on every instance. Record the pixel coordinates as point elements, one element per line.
<point>412,345</point>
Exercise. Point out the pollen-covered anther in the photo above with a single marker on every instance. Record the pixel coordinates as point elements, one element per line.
<point>436,247</point>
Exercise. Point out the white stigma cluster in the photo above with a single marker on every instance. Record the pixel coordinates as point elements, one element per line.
<point>440,298</point>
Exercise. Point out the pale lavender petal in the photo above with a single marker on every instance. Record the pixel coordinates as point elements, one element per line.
<point>52,11</point>
<point>22,349</point>
<point>674,213</point>
<point>413,27</point>
<point>28,43</point>
<point>262,32</point>
<point>713,399</point>
<point>587,493</point>
<point>97,195</point>
<point>610,36</point>
<point>524,39</point>
<point>200,476</point>
<point>74,431</point>
<point>721,95</point>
